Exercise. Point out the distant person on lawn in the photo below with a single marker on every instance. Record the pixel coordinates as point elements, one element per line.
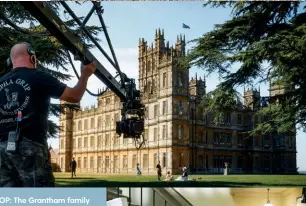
<point>159,171</point>
<point>138,172</point>
<point>73,166</point>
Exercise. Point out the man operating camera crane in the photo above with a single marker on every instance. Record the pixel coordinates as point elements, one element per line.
<point>25,94</point>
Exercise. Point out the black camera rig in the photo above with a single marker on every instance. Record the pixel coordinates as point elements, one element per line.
<point>132,113</point>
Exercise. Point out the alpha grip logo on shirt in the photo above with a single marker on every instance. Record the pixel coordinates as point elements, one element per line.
<point>16,95</point>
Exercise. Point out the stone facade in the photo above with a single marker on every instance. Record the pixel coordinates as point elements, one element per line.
<point>177,132</point>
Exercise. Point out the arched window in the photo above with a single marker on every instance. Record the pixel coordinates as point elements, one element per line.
<point>148,66</point>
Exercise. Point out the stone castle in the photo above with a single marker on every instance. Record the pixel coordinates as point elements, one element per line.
<point>177,132</point>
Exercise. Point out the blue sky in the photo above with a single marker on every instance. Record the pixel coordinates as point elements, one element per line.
<point>129,21</point>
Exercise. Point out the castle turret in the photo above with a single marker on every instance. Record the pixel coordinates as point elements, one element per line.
<point>252,99</point>
<point>197,86</point>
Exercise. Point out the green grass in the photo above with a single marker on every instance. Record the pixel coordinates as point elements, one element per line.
<point>98,180</point>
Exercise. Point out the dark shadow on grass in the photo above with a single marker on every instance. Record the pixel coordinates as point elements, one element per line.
<point>104,183</point>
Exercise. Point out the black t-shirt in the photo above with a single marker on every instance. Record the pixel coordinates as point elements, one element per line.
<point>28,91</point>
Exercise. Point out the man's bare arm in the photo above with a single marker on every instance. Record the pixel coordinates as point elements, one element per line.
<point>75,94</point>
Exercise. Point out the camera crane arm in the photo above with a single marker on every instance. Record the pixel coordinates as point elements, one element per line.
<point>125,90</point>
<point>50,20</point>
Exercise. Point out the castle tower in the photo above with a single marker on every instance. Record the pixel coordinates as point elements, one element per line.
<point>197,87</point>
<point>164,91</point>
<point>66,139</point>
<point>252,99</point>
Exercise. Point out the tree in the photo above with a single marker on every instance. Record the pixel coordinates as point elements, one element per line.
<point>50,52</point>
<point>259,34</point>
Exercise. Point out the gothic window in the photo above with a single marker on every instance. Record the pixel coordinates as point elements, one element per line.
<point>91,162</point>
<point>164,159</point>
<point>85,124</point>
<point>62,144</point>
<point>85,163</point>
<point>216,137</point>
<point>149,87</point>
<point>256,140</point>
<point>107,162</point>
<point>134,161</point>
<point>266,140</point>
<point>180,79</point>
<point>99,142</point>
<point>99,162</point>
<point>240,162</point>
<point>79,142</point>
<point>240,139</point>
<point>107,140</point>
<point>153,86</point>
<point>144,85</point>
<point>124,161</point>
<point>92,141</point>
<point>155,111</point>
<point>148,66</point>
<point>116,161</point>
<point>155,159</point>
<point>80,125</point>
<point>155,134</point>
<point>164,131</point>
<point>145,161</point>
<point>239,119</point>
<point>164,107</point>
<point>107,119</point>
<point>228,138</point>
<point>164,79</point>
<point>180,107</point>
<point>99,122</point>
<point>85,143</point>
<point>180,132</point>
<point>92,123</point>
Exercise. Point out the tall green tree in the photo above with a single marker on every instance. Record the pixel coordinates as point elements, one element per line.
<point>267,40</point>
<point>52,56</point>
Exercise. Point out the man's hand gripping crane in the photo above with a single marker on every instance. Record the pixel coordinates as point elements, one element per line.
<point>132,113</point>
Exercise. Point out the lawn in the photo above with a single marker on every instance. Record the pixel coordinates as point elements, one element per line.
<point>98,180</point>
